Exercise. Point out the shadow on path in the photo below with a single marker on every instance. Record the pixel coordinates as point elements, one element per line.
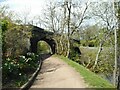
<point>44,56</point>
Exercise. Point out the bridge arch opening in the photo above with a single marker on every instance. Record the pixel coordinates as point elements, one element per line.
<point>50,42</point>
<point>43,47</point>
<point>39,34</point>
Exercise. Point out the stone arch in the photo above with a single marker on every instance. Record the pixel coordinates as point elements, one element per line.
<point>39,34</point>
<point>50,42</point>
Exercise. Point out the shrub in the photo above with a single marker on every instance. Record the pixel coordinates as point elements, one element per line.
<point>16,69</point>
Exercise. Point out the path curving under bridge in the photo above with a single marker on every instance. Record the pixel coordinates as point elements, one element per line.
<point>55,73</point>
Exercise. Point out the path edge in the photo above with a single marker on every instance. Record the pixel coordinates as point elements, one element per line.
<point>27,85</point>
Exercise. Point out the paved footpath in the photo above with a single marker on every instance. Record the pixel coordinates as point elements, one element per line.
<point>55,73</point>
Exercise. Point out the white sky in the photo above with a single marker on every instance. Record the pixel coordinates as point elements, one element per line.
<point>32,7</point>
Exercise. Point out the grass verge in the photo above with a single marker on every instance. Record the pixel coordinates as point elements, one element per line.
<point>93,80</point>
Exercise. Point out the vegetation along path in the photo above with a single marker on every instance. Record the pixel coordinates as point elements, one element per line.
<point>55,73</point>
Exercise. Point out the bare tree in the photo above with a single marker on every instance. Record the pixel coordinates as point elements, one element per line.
<point>68,4</point>
<point>106,15</point>
<point>117,10</point>
<point>73,15</point>
<point>60,18</point>
<point>24,16</point>
<point>53,20</point>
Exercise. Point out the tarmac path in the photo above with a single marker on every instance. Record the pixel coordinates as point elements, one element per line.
<point>55,73</point>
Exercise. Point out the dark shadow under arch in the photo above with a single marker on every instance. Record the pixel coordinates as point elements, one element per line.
<point>39,34</point>
<point>50,42</point>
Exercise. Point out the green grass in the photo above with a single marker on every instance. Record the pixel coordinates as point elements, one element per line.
<point>90,78</point>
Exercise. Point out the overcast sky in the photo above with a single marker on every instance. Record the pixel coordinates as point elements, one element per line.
<point>35,7</point>
<point>32,7</point>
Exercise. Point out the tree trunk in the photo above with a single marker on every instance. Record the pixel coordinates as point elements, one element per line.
<point>61,44</point>
<point>56,41</point>
<point>69,19</point>
<point>118,41</point>
<point>115,63</point>
<point>97,56</point>
<point>68,47</point>
<point>117,11</point>
<point>118,84</point>
<point>100,49</point>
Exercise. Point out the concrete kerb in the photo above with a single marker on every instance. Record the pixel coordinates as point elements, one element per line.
<point>27,85</point>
